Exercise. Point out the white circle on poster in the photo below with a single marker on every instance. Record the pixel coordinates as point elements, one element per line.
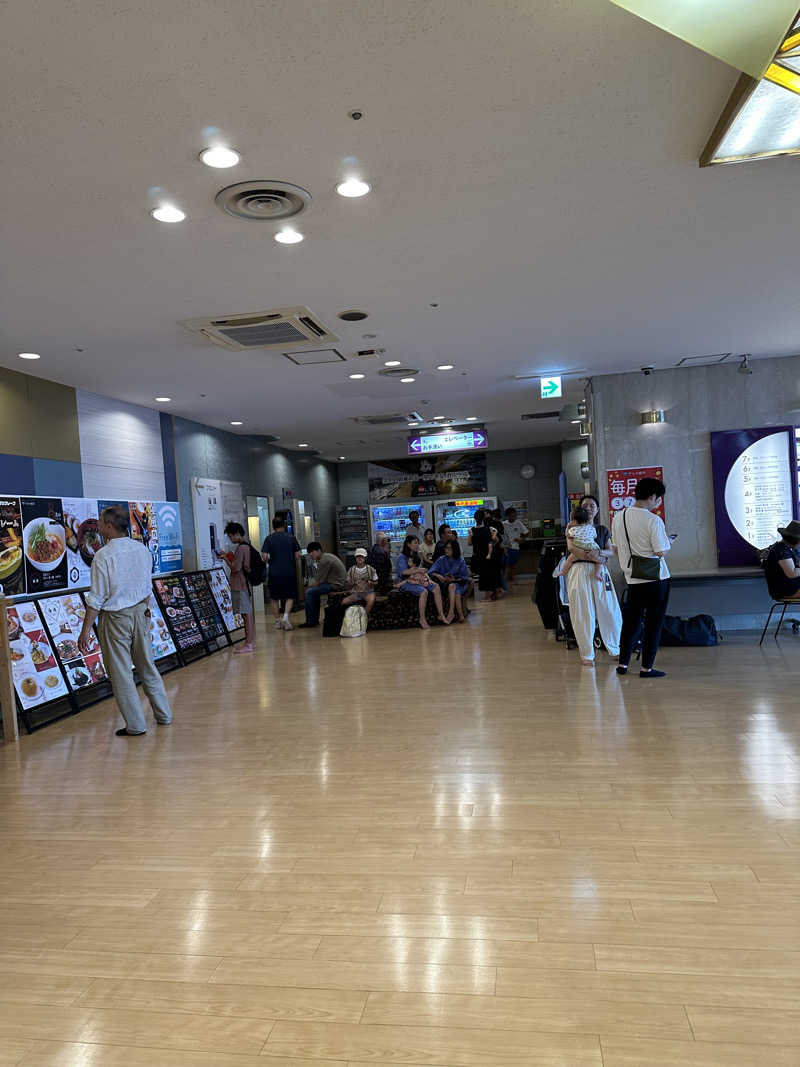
<point>758,490</point>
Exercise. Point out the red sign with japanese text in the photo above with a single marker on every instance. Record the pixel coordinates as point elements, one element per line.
<point>621,484</point>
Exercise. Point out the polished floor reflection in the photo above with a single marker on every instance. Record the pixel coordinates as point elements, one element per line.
<point>450,849</point>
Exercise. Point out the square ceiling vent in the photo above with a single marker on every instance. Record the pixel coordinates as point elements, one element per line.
<point>315,356</point>
<point>283,328</point>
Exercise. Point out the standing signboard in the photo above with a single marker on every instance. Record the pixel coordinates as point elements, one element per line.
<point>621,484</point>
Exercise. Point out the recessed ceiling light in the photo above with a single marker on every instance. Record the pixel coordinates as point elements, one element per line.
<point>163,399</point>
<point>303,446</point>
<point>342,457</point>
<point>436,418</point>
<point>408,379</point>
<point>288,237</point>
<point>29,355</point>
<point>236,423</point>
<point>219,157</point>
<point>392,363</point>
<point>358,375</point>
<point>168,213</point>
<point>472,418</point>
<point>352,188</point>
<point>445,366</point>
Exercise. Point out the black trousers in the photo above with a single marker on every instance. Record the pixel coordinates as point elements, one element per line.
<point>646,601</point>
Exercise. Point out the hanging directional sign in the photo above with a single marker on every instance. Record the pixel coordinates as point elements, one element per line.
<point>458,441</point>
<point>551,387</point>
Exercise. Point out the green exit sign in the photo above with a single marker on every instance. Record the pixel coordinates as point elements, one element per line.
<point>551,387</point>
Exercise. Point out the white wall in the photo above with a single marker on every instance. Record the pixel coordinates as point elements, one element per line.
<point>121,452</point>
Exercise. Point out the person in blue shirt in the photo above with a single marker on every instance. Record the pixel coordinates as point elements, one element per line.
<point>451,572</point>
<point>413,578</point>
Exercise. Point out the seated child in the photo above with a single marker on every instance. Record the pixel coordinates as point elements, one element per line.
<point>584,537</point>
<point>361,582</point>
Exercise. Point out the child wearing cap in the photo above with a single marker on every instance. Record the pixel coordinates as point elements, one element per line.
<point>361,582</point>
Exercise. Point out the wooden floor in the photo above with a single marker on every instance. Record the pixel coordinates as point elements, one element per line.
<point>452,848</point>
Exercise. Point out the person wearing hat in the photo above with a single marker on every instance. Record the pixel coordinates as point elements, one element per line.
<point>782,566</point>
<point>361,582</point>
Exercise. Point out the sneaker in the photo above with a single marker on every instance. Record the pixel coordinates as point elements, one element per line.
<point>286,624</point>
<point>279,624</point>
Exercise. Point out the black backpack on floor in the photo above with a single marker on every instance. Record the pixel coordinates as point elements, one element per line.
<point>698,632</point>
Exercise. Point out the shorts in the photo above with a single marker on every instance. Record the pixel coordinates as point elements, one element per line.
<point>512,556</point>
<point>241,602</point>
<point>359,598</point>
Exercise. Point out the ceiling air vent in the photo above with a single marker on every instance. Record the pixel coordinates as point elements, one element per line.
<point>315,356</point>
<point>704,361</point>
<point>540,415</point>
<point>395,418</point>
<point>284,328</point>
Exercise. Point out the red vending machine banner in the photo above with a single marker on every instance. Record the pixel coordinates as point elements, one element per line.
<point>621,484</point>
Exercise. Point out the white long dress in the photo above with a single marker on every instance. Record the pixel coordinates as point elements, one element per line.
<point>592,604</point>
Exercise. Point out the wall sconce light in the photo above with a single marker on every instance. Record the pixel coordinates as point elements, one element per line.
<point>585,429</point>
<point>573,413</point>
<point>649,418</point>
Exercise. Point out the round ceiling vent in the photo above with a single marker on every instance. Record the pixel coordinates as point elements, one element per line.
<point>398,372</point>
<point>263,201</point>
<point>353,315</point>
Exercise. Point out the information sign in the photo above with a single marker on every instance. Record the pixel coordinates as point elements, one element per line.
<point>457,441</point>
<point>621,484</point>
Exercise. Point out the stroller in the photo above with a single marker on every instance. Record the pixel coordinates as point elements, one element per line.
<point>558,616</point>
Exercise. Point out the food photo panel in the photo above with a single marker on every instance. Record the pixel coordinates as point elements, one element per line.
<point>83,538</point>
<point>63,616</point>
<point>180,617</point>
<point>43,544</point>
<point>12,567</point>
<point>220,587</point>
<point>160,637</point>
<point>37,678</point>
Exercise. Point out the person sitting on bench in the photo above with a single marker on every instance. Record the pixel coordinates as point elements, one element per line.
<point>782,567</point>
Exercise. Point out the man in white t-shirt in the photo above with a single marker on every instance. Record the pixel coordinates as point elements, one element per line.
<point>637,531</point>
<point>513,532</point>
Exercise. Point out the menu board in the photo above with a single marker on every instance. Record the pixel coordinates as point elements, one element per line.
<point>160,637</point>
<point>43,544</point>
<point>179,614</point>
<point>205,606</point>
<point>12,567</point>
<point>755,490</point>
<point>47,544</point>
<point>37,678</point>
<point>63,617</point>
<point>220,587</point>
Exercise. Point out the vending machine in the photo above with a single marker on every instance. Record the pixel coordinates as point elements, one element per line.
<point>460,513</point>
<point>392,520</point>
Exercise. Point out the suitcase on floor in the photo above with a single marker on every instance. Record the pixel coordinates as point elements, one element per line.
<point>332,619</point>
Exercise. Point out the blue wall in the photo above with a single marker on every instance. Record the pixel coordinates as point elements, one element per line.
<point>40,477</point>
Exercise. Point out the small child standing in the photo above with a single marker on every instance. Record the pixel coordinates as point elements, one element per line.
<point>584,537</point>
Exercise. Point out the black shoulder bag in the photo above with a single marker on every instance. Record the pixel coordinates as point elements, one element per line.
<point>647,568</point>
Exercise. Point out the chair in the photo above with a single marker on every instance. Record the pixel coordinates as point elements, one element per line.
<point>786,604</point>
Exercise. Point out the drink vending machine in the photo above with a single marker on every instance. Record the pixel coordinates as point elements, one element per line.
<point>460,514</point>
<point>392,520</point>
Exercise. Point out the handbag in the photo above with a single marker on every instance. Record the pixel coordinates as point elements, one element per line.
<point>648,568</point>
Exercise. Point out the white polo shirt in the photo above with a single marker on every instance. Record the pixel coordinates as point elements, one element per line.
<point>647,534</point>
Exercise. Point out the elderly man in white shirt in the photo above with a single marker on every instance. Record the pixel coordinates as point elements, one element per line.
<point>119,594</point>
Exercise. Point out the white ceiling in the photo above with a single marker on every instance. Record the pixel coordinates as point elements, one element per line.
<point>534,171</point>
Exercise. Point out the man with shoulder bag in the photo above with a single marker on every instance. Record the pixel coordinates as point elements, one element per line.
<point>640,539</point>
